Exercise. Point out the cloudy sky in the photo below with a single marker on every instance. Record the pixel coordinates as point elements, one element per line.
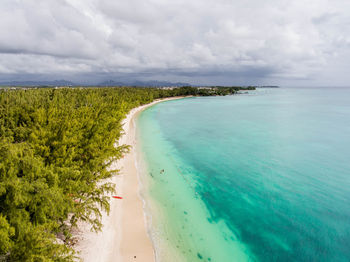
<point>279,42</point>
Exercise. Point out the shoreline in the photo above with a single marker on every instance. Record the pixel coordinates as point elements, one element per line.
<point>126,223</point>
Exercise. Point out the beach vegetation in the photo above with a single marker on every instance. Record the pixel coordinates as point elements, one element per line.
<point>56,148</point>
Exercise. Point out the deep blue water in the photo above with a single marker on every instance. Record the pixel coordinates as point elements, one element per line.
<point>260,177</point>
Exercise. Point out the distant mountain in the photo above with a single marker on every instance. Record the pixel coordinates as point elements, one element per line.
<point>151,83</point>
<point>111,83</point>
<point>154,83</point>
<point>267,86</point>
<point>38,83</point>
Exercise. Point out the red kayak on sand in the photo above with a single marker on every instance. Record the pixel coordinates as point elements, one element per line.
<point>118,197</point>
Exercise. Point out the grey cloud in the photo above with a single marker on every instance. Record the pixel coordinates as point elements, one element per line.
<point>192,40</point>
<point>324,18</point>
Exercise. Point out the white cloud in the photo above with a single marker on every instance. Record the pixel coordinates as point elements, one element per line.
<point>275,39</point>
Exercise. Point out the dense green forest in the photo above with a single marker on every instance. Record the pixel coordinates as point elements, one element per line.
<point>55,149</point>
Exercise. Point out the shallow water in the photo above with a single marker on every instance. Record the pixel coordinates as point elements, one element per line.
<point>257,177</point>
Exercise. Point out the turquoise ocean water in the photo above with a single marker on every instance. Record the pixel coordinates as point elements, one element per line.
<point>263,176</point>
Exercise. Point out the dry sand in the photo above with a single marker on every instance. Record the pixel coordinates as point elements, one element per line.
<point>124,234</point>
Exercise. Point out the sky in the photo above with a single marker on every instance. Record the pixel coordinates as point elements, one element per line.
<point>226,42</point>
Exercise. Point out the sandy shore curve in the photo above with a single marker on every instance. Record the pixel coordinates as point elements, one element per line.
<point>124,234</point>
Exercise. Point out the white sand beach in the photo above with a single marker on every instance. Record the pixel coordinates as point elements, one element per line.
<point>124,234</point>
